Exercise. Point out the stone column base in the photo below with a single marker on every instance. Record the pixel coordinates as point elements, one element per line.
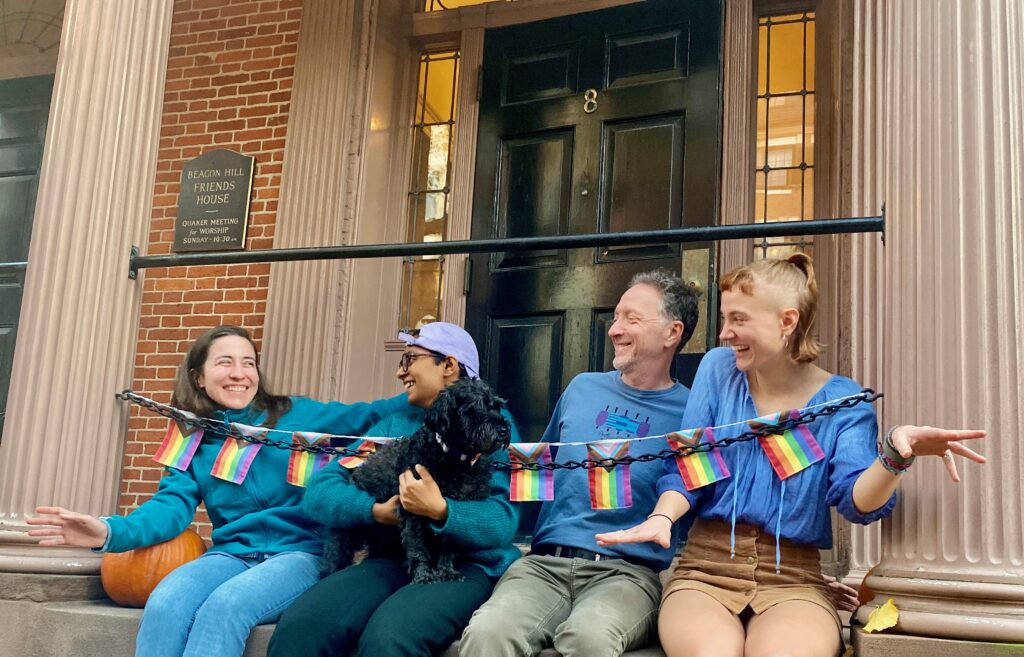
<point>964,610</point>
<point>24,558</point>
<point>27,587</point>
<point>887,645</point>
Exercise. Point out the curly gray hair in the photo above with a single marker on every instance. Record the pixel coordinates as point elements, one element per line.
<point>678,300</point>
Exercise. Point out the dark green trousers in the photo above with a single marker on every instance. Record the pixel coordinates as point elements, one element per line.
<point>372,610</point>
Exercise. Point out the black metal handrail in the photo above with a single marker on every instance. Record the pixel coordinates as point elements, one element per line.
<point>9,267</point>
<point>516,244</point>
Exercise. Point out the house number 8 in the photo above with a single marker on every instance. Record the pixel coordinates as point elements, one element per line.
<point>590,101</point>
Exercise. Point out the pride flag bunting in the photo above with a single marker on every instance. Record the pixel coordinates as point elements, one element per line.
<point>609,485</point>
<point>179,446</point>
<point>531,485</point>
<point>698,469</point>
<point>236,455</point>
<point>301,464</point>
<point>789,450</point>
<point>364,447</point>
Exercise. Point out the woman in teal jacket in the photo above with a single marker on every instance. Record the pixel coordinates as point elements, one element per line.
<point>372,608</point>
<point>265,549</point>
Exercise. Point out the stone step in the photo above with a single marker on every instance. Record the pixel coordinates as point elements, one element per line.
<point>100,628</point>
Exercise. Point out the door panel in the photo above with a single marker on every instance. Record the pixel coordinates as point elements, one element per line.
<point>24,106</point>
<point>651,55</point>
<point>534,183</point>
<point>599,122</point>
<point>546,73</point>
<point>642,183</point>
<point>536,338</point>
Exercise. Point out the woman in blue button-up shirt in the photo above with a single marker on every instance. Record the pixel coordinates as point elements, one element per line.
<point>749,580</point>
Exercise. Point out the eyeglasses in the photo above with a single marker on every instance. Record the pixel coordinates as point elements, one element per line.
<point>408,357</point>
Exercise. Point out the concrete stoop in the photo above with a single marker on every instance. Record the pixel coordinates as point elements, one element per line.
<point>100,628</point>
<point>902,645</point>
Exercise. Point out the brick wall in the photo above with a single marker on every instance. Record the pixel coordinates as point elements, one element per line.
<point>229,78</point>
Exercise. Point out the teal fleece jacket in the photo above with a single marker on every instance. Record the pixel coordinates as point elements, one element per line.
<point>482,530</point>
<point>263,514</point>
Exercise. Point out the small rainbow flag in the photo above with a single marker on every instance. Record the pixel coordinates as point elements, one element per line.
<point>609,485</point>
<point>236,455</point>
<point>531,485</point>
<point>789,450</point>
<point>302,464</point>
<point>698,469</point>
<point>179,446</point>
<point>364,447</point>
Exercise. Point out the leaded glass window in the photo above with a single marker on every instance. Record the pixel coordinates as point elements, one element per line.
<point>784,169</point>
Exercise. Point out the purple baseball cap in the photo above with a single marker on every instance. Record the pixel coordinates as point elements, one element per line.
<point>448,340</point>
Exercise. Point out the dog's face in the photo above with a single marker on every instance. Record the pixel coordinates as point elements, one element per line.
<point>467,417</point>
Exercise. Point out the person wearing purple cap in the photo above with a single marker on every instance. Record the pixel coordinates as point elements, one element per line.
<point>372,608</point>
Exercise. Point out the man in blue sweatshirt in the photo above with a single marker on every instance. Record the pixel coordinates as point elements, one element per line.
<point>570,593</point>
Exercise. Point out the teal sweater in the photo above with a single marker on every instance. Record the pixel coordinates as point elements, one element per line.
<point>481,530</point>
<point>264,513</point>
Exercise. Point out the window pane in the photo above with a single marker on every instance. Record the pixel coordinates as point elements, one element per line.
<point>784,150</point>
<point>432,135</point>
<point>809,44</point>
<point>421,292</point>
<point>783,196</point>
<point>809,128</point>
<point>762,60</point>
<point>785,58</point>
<point>762,132</point>
<point>808,194</point>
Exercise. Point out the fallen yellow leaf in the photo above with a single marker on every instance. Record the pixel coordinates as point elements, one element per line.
<point>883,617</point>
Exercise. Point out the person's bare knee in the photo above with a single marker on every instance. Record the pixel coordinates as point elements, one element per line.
<point>693,624</point>
<point>793,629</point>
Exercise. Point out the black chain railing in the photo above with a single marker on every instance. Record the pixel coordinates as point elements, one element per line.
<point>866,395</point>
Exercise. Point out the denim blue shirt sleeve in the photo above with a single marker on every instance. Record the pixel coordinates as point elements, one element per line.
<point>855,450</point>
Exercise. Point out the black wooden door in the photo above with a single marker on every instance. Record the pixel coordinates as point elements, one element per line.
<point>24,105</point>
<point>599,122</point>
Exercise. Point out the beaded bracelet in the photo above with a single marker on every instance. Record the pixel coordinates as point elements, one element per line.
<point>890,458</point>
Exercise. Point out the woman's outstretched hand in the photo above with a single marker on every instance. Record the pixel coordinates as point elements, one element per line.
<point>656,529</point>
<point>912,440</point>
<point>64,527</point>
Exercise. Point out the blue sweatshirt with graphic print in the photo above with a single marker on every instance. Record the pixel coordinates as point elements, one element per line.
<point>482,530</point>
<point>261,515</point>
<point>599,406</point>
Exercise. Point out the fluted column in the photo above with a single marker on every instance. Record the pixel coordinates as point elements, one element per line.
<point>948,350</point>
<point>302,343</point>
<point>866,312</point>
<point>63,438</point>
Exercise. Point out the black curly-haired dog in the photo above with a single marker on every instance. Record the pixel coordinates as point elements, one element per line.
<point>461,431</point>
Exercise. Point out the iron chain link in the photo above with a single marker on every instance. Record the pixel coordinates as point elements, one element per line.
<point>866,395</point>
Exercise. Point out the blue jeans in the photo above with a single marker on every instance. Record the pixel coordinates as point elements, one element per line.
<point>209,606</point>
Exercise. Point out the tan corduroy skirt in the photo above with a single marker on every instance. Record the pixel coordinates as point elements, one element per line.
<point>749,579</point>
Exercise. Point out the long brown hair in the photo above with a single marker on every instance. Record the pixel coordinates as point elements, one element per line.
<point>794,274</point>
<point>190,397</point>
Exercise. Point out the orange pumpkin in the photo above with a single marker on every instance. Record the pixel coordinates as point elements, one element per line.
<point>129,577</point>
